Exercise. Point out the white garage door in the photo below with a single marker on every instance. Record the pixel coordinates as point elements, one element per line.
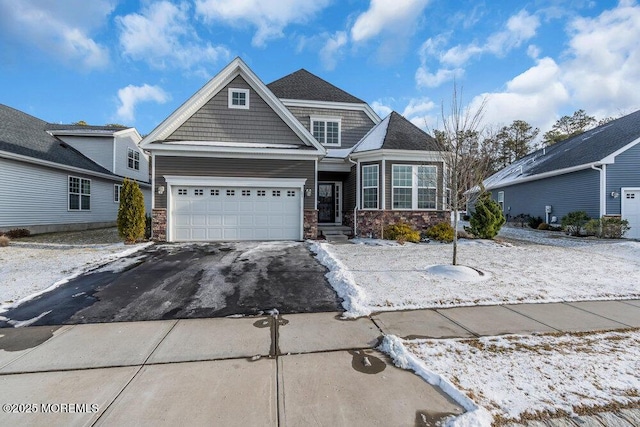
<point>235,213</point>
<point>631,212</point>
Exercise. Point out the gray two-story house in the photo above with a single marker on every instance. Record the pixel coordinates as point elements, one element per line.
<point>241,160</point>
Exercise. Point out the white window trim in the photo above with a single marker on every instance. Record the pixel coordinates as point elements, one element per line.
<point>246,97</point>
<point>414,188</point>
<point>117,190</point>
<point>79,194</point>
<point>377,186</point>
<point>325,119</point>
<point>131,155</point>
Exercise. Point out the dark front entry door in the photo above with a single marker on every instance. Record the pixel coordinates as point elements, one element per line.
<point>326,203</point>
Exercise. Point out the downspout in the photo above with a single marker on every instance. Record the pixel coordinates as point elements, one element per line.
<point>603,188</point>
<point>355,208</point>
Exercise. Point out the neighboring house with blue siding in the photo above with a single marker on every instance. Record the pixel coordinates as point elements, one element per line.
<point>65,177</point>
<point>288,160</point>
<point>597,171</point>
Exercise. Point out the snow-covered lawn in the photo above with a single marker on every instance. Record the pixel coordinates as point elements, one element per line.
<point>375,276</point>
<point>513,377</point>
<point>28,269</point>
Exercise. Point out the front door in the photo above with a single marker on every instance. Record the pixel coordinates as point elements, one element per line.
<point>326,203</point>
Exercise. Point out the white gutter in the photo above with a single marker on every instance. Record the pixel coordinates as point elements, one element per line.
<point>603,188</point>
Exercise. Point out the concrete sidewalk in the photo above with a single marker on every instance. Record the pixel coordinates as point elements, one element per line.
<point>293,370</point>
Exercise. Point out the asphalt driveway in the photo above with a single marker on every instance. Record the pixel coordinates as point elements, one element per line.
<point>178,281</point>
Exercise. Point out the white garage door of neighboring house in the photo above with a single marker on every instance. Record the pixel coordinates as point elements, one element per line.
<point>226,212</point>
<point>631,211</point>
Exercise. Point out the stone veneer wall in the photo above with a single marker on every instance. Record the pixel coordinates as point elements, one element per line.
<point>159,225</point>
<point>372,222</point>
<point>310,224</point>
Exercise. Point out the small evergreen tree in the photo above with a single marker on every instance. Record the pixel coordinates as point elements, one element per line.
<point>574,221</point>
<point>487,219</point>
<point>131,219</point>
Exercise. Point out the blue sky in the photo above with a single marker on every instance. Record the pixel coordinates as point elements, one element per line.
<point>134,62</point>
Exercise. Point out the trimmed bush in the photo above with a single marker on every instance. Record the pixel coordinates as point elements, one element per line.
<point>487,219</point>
<point>543,226</point>
<point>131,219</point>
<point>442,232</point>
<point>534,222</point>
<point>607,227</point>
<point>573,222</point>
<point>18,233</point>
<point>4,241</point>
<point>402,233</point>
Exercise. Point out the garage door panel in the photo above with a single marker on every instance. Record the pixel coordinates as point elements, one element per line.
<point>235,213</point>
<point>631,212</point>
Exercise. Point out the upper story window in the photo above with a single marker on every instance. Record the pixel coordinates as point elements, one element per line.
<point>326,130</point>
<point>414,187</point>
<point>133,159</point>
<point>79,194</point>
<point>239,98</point>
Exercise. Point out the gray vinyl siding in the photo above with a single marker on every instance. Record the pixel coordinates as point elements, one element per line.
<point>99,149</point>
<point>577,191</point>
<point>354,124</point>
<point>32,195</point>
<point>389,175</point>
<point>625,172</point>
<point>229,167</point>
<point>215,121</point>
<point>122,146</point>
<point>349,191</point>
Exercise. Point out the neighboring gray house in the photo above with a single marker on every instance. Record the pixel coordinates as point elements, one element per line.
<point>241,160</point>
<point>597,171</point>
<point>65,177</point>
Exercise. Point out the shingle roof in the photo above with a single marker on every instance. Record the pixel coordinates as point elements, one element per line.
<point>86,128</point>
<point>304,85</point>
<point>587,148</point>
<point>395,132</point>
<point>26,135</point>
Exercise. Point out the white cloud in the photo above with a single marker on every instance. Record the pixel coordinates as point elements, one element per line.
<point>332,49</point>
<point>422,112</point>
<point>381,109</point>
<point>269,17</point>
<point>603,62</point>
<point>132,95</point>
<point>59,29</point>
<point>387,16</point>
<point>426,79</point>
<point>519,28</point>
<point>162,35</point>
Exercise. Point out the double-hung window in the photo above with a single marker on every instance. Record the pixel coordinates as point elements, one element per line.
<point>117,188</point>
<point>501,199</point>
<point>133,159</point>
<point>414,187</point>
<point>79,194</point>
<point>239,98</point>
<point>326,130</point>
<point>370,179</point>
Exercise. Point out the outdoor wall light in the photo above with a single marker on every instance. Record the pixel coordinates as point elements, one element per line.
<point>307,192</point>
<point>615,194</point>
<point>161,189</point>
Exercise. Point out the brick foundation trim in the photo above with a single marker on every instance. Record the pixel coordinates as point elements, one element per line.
<point>159,225</point>
<point>371,223</point>
<point>310,225</point>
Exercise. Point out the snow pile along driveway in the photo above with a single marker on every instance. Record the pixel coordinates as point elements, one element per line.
<point>516,377</point>
<point>32,268</point>
<point>383,278</point>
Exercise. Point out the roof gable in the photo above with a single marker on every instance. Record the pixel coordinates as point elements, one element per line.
<point>193,105</point>
<point>395,132</point>
<point>24,135</point>
<point>595,146</point>
<point>307,86</point>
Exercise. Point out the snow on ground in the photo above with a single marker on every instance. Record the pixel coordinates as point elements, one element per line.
<point>29,269</point>
<point>383,278</point>
<point>511,376</point>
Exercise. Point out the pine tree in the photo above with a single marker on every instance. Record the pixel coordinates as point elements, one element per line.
<point>131,220</point>
<point>487,219</point>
